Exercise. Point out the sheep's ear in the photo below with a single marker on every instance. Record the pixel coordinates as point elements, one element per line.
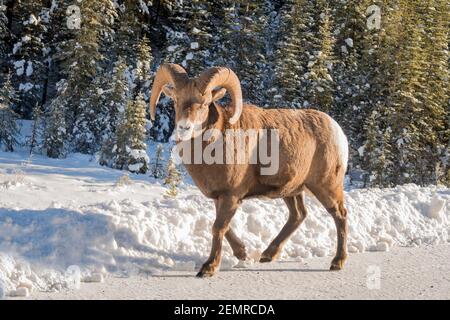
<point>169,91</point>
<point>218,94</point>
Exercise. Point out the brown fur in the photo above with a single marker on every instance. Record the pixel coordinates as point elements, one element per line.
<point>308,160</point>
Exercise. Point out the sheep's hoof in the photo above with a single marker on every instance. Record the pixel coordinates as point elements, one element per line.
<point>202,274</point>
<point>335,267</point>
<point>337,264</point>
<point>206,272</point>
<point>269,255</point>
<point>265,259</point>
<point>240,255</point>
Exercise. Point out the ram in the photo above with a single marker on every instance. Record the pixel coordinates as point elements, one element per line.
<point>312,150</point>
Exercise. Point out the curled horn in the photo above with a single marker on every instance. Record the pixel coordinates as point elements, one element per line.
<point>167,73</point>
<point>226,78</point>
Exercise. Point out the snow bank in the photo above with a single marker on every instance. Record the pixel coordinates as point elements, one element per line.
<point>72,213</point>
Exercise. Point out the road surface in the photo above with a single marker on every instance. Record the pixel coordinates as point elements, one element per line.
<point>402,273</point>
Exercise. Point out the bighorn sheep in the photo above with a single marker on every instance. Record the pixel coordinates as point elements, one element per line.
<point>313,152</point>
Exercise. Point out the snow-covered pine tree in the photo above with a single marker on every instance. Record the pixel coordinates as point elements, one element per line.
<point>143,74</point>
<point>377,63</point>
<point>350,107</point>
<point>370,149</point>
<point>5,36</point>
<point>271,36</point>
<point>116,96</point>
<point>57,36</point>
<point>115,102</point>
<point>130,148</point>
<point>320,86</point>
<point>157,168</point>
<point>289,65</point>
<point>177,40</point>
<point>200,34</point>
<point>85,131</point>
<point>173,178</point>
<point>244,22</point>
<point>28,55</point>
<point>406,99</point>
<point>376,152</point>
<point>3,21</point>
<point>55,135</point>
<point>106,100</point>
<point>138,160</point>
<point>435,127</point>
<point>36,129</point>
<point>8,94</point>
<point>80,57</point>
<point>132,44</point>
<point>9,130</point>
<point>190,40</point>
<point>129,31</point>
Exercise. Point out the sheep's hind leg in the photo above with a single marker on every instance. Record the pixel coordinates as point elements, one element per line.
<point>339,214</point>
<point>333,200</point>
<point>236,244</point>
<point>226,207</point>
<point>297,213</point>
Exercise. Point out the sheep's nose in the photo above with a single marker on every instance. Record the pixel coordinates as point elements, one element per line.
<point>184,128</point>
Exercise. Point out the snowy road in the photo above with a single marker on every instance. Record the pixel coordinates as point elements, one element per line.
<point>404,273</point>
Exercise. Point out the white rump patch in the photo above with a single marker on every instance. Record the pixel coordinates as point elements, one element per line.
<point>340,141</point>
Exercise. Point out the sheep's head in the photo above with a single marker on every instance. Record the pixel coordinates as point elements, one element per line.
<point>192,97</point>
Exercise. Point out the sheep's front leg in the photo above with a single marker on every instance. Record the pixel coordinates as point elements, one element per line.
<point>226,207</point>
<point>236,244</point>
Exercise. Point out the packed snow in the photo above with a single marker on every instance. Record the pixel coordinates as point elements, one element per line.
<point>57,216</point>
<point>19,65</point>
<point>349,42</point>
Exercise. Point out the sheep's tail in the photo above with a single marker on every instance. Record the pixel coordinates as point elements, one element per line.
<point>340,140</point>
